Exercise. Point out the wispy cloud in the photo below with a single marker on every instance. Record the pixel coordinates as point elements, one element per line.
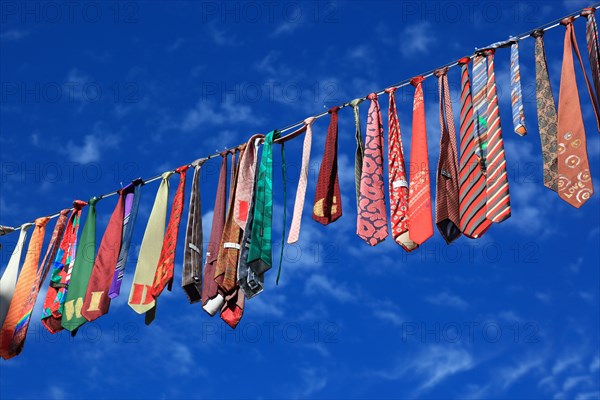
<point>416,39</point>
<point>448,300</point>
<point>92,147</point>
<point>209,113</point>
<point>220,36</point>
<point>14,35</point>
<point>322,285</point>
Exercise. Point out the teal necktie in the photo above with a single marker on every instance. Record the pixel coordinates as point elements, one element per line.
<point>82,270</point>
<point>259,255</point>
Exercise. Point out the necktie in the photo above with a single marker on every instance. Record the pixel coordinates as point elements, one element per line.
<point>447,212</point>
<point>132,203</point>
<point>591,37</point>
<point>360,148</point>
<point>191,278</point>
<point>96,300</point>
<point>81,272</point>
<point>250,283</point>
<point>23,287</point>
<point>574,179</point>
<point>5,230</point>
<point>245,183</point>
<point>398,183</point>
<point>302,182</point>
<point>24,317</point>
<point>420,221</point>
<point>212,300</point>
<point>233,308</point>
<point>516,96</point>
<point>328,201</point>
<point>140,296</point>
<point>9,277</point>
<point>166,263</point>
<point>546,114</point>
<point>259,255</point>
<point>498,198</point>
<point>372,220</point>
<point>472,189</point>
<point>227,258</point>
<point>480,108</point>
<point>61,272</point>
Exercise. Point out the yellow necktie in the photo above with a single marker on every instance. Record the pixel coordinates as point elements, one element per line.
<point>140,296</point>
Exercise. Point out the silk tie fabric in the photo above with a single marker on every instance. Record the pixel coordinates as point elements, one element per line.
<point>398,183</point>
<point>447,205</point>
<point>166,263</point>
<point>191,278</point>
<point>302,182</point>
<point>20,332</point>
<point>23,286</point>
<point>250,283</point>
<point>227,258</point>
<point>140,296</point>
<point>480,107</point>
<point>96,301</point>
<point>472,188</point>
<point>81,272</point>
<point>132,202</point>
<point>246,181</point>
<point>371,223</point>
<point>5,230</point>
<point>259,255</point>
<point>360,148</point>
<point>498,197</point>
<point>574,178</point>
<point>591,37</point>
<point>327,206</point>
<point>9,277</point>
<point>516,94</point>
<point>420,220</point>
<point>61,272</point>
<point>546,114</point>
<point>212,300</point>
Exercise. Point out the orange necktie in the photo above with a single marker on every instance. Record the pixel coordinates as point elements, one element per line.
<point>420,220</point>
<point>24,284</point>
<point>574,179</point>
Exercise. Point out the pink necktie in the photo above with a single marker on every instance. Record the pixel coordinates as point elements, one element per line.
<point>372,218</point>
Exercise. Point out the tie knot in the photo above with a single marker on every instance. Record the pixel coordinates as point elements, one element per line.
<point>4,230</point>
<point>65,212</point>
<point>440,72</point>
<point>372,96</point>
<point>93,201</point>
<point>567,21</point>
<point>416,81</point>
<point>391,90</point>
<point>309,120</point>
<point>333,110</point>
<point>167,175</point>
<point>588,11</point>
<point>489,52</point>
<point>199,162</point>
<point>79,204</point>
<point>354,103</point>
<point>537,33</point>
<point>182,169</point>
<point>41,222</point>
<point>464,61</point>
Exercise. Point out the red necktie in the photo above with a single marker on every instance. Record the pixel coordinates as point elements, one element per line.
<point>574,178</point>
<point>447,211</point>
<point>398,184</point>
<point>97,301</point>
<point>328,201</point>
<point>166,262</point>
<point>472,192</point>
<point>420,221</point>
<point>372,219</point>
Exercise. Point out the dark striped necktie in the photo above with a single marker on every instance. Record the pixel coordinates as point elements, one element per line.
<point>591,37</point>
<point>447,205</point>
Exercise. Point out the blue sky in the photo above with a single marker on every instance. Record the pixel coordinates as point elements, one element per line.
<point>98,93</point>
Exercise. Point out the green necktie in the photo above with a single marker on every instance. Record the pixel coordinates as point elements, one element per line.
<point>259,255</point>
<point>81,272</point>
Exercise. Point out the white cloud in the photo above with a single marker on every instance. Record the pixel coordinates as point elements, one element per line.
<point>431,366</point>
<point>389,316</point>
<point>447,299</point>
<point>511,374</point>
<point>416,39</point>
<point>543,297</point>
<point>286,28</point>
<point>208,113</point>
<point>91,148</point>
<point>321,285</point>
<point>221,37</point>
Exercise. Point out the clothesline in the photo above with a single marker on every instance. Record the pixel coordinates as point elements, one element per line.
<point>545,27</point>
